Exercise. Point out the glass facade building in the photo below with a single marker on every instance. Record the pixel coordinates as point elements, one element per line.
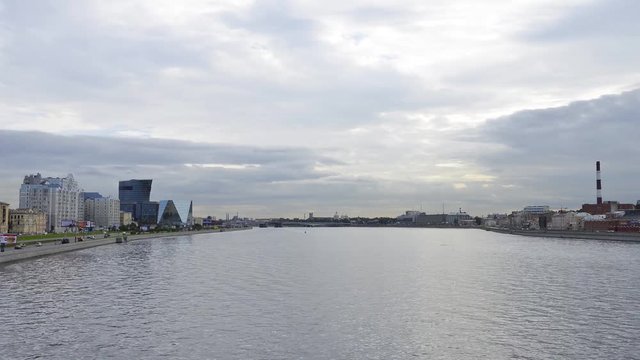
<point>134,198</point>
<point>175,213</point>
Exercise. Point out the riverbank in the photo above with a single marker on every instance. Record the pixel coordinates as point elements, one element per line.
<point>11,255</point>
<point>583,235</point>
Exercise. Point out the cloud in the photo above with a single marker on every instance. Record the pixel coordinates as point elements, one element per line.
<point>550,153</point>
<point>368,107</point>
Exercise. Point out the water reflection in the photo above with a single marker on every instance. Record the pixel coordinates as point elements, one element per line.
<point>328,293</point>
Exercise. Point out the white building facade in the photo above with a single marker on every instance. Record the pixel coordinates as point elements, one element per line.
<point>59,198</point>
<point>104,212</point>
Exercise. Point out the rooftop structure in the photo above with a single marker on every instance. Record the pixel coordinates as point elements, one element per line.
<point>536,209</point>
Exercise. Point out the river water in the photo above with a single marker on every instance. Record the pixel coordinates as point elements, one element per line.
<point>327,293</point>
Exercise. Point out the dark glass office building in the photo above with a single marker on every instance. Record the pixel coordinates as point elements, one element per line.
<point>134,198</point>
<point>134,191</point>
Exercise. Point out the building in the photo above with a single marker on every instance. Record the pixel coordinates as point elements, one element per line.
<point>104,212</point>
<point>28,221</point>
<point>430,219</point>
<point>175,213</point>
<point>409,216</point>
<point>133,194</point>
<point>605,207</point>
<point>147,213</point>
<point>566,221</point>
<point>125,218</point>
<point>60,199</point>
<point>536,209</point>
<point>4,220</point>
<point>496,220</point>
<point>458,218</point>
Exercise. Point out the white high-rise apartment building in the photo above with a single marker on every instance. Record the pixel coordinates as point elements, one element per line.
<point>60,199</point>
<point>103,211</point>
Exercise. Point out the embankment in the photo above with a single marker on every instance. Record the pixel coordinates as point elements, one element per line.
<point>584,235</point>
<point>29,252</point>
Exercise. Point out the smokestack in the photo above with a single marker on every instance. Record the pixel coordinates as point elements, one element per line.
<point>598,183</point>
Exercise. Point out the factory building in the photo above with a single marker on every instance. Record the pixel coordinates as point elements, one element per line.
<point>603,207</point>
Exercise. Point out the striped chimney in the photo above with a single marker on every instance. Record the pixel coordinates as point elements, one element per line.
<point>598,183</point>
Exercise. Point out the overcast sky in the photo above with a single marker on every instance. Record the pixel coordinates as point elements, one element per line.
<point>279,108</point>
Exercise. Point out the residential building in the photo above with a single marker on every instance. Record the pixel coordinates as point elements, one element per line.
<point>103,211</point>
<point>4,220</point>
<point>28,221</point>
<point>60,199</point>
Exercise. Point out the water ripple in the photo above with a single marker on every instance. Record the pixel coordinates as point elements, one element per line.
<point>328,294</point>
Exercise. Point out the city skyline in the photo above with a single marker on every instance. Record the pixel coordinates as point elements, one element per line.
<point>284,108</point>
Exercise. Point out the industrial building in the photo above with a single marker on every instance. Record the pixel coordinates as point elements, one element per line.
<point>603,207</point>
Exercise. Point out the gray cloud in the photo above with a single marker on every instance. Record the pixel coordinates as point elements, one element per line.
<point>550,153</point>
<point>599,19</point>
<point>334,107</point>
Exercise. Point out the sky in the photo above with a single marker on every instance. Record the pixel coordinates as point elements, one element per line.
<point>362,108</point>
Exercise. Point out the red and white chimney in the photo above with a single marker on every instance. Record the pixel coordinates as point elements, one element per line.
<point>598,183</point>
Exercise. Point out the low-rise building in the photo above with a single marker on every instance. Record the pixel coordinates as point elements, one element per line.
<point>4,220</point>
<point>457,218</point>
<point>566,221</point>
<point>126,218</point>
<point>536,209</point>
<point>496,220</point>
<point>28,221</point>
<point>409,216</point>
<point>431,219</point>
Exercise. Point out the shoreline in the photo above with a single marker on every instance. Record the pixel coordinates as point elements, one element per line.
<point>577,235</point>
<point>11,255</point>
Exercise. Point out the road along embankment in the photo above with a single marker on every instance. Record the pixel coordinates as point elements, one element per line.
<point>583,235</point>
<point>32,251</point>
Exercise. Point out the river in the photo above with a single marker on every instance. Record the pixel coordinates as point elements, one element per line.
<point>327,293</point>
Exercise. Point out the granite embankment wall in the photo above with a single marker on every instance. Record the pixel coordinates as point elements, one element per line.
<point>12,255</point>
<point>584,235</point>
